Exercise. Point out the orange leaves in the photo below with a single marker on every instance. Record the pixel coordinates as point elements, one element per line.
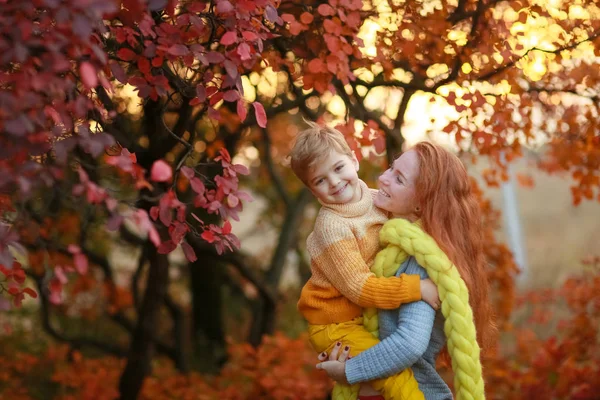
<point>126,54</point>
<point>281,368</point>
<point>326,36</point>
<point>563,364</point>
<point>306,18</point>
<point>325,10</point>
<point>525,180</point>
<point>316,66</point>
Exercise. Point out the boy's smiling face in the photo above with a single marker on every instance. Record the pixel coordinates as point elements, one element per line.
<point>334,180</point>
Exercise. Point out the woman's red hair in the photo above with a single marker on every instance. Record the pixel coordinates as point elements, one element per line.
<point>451,214</point>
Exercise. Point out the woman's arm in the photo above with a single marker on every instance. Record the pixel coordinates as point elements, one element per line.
<point>403,347</point>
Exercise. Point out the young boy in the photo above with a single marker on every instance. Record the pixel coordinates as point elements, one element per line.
<point>343,245</point>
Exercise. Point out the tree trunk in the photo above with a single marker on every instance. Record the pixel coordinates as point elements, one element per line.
<point>141,348</point>
<point>263,310</point>
<point>206,281</point>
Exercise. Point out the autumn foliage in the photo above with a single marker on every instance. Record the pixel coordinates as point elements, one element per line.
<point>281,368</point>
<point>128,128</point>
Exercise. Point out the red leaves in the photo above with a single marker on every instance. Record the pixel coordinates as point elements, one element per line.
<point>45,111</point>
<point>89,76</point>
<point>229,38</point>
<point>325,10</point>
<point>241,110</point>
<point>221,237</point>
<point>19,294</point>
<point>261,115</point>
<point>231,95</point>
<point>166,247</point>
<point>126,54</point>
<point>224,7</point>
<point>161,172</point>
<point>189,252</point>
<point>118,72</point>
<point>244,51</point>
<point>316,66</point>
<point>306,18</point>
<point>178,50</point>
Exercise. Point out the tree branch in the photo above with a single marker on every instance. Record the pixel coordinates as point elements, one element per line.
<point>236,260</point>
<point>76,342</point>
<point>359,110</point>
<point>460,14</point>
<point>510,64</point>
<point>287,235</point>
<point>394,145</point>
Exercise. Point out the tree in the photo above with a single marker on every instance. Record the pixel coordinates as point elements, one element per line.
<point>209,75</point>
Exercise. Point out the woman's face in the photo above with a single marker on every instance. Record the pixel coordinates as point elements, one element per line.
<point>397,193</point>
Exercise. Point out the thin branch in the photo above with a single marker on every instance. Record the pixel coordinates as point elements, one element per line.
<point>76,342</point>
<point>285,106</point>
<point>461,15</point>
<point>186,144</point>
<point>359,110</point>
<point>458,12</point>
<point>115,128</point>
<point>237,261</point>
<point>473,39</point>
<point>395,143</point>
<point>536,89</point>
<point>380,81</point>
<point>130,237</point>
<point>297,91</point>
<point>556,51</point>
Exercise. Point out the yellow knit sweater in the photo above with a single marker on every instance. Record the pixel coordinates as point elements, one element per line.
<point>342,248</point>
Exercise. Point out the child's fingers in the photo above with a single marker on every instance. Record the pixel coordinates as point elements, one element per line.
<point>322,356</point>
<point>345,354</point>
<point>334,353</point>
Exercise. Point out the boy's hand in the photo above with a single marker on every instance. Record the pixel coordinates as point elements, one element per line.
<point>429,293</point>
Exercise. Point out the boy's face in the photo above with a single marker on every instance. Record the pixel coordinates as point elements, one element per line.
<point>335,180</point>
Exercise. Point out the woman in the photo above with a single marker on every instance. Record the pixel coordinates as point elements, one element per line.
<point>430,185</point>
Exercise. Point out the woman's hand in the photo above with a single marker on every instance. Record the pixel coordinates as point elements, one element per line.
<point>335,364</point>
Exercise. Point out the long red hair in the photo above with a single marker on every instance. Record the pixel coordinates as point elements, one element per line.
<point>451,214</point>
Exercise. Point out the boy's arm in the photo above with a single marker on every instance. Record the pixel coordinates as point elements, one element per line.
<point>342,264</point>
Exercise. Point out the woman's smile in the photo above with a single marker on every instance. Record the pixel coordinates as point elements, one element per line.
<point>383,193</point>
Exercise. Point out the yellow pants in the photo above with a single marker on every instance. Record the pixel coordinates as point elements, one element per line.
<point>402,386</point>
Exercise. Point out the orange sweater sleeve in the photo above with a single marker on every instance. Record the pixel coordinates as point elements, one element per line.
<point>342,264</point>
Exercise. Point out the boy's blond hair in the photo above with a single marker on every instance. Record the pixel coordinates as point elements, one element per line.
<point>314,144</point>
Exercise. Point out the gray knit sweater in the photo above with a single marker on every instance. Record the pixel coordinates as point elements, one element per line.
<point>411,336</point>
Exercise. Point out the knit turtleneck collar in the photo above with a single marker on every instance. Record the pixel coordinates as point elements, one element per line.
<point>358,208</point>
